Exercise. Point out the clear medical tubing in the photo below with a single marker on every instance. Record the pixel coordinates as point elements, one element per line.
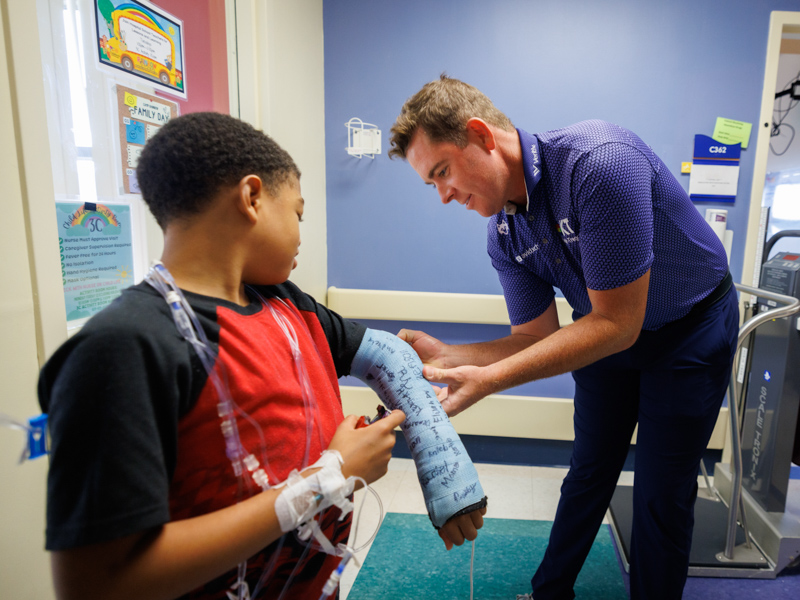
<point>310,406</point>
<point>189,327</point>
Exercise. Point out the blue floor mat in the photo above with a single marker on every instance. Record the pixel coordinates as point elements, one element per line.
<point>408,561</point>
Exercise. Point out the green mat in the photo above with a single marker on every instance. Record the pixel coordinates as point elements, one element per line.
<point>408,561</point>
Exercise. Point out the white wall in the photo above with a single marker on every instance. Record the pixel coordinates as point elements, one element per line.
<point>24,568</point>
<point>282,92</point>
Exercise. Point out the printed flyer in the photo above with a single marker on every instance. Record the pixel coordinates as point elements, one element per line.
<point>96,255</point>
<point>140,116</point>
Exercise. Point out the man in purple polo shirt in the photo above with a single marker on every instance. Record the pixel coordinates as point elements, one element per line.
<point>589,209</point>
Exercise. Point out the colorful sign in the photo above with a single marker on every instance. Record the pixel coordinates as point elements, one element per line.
<point>140,117</point>
<point>96,255</point>
<point>141,40</point>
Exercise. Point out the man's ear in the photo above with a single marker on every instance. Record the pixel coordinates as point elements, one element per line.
<point>478,130</point>
<point>249,196</point>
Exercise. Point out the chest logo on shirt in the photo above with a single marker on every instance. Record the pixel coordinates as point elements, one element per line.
<point>566,231</point>
<point>564,228</point>
<point>502,228</point>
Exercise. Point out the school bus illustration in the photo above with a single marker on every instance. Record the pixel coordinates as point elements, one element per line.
<point>140,45</point>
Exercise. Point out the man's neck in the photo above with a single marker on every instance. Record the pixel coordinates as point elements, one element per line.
<point>509,145</point>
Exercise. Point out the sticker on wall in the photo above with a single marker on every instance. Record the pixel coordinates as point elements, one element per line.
<point>140,117</point>
<point>140,40</point>
<point>96,255</point>
<point>729,131</point>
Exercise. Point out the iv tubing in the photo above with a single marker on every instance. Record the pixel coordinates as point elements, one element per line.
<point>189,327</point>
<point>471,568</point>
<point>7,421</point>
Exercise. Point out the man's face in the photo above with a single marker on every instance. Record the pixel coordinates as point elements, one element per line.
<point>468,175</point>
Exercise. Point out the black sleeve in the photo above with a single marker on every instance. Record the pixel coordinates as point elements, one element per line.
<point>344,336</point>
<point>113,394</point>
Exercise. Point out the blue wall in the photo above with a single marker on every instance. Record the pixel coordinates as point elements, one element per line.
<point>666,70</point>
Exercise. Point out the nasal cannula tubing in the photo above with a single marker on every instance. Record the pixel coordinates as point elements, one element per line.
<point>189,327</point>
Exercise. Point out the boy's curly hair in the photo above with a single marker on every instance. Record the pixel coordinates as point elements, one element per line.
<point>192,157</point>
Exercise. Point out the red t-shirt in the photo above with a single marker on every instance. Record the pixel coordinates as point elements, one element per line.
<point>136,435</point>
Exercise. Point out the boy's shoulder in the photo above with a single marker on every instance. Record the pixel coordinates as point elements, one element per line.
<point>134,310</point>
<point>134,323</point>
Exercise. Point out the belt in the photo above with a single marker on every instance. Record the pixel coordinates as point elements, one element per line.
<point>715,296</point>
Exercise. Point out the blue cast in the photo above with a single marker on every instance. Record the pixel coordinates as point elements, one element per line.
<point>446,474</point>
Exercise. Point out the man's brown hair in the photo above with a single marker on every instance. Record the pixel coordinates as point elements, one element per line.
<point>442,108</point>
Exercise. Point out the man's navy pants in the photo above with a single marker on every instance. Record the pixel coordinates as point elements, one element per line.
<point>672,383</point>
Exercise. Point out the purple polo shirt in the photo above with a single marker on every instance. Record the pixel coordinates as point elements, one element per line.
<point>602,210</point>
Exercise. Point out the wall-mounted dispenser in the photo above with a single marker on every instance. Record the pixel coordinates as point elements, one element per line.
<point>363,139</point>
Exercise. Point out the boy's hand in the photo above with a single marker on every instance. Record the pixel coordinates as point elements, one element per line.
<point>366,451</point>
<point>430,350</point>
<point>457,529</point>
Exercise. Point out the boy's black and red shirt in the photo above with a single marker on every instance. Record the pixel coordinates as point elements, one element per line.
<point>136,440</point>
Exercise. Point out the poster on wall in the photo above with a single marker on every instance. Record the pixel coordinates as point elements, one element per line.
<point>142,41</point>
<point>139,118</point>
<point>96,255</point>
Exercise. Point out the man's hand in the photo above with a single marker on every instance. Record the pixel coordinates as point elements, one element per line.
<point>465,386</point>
<point>464,527</point>
<point>430,350</point>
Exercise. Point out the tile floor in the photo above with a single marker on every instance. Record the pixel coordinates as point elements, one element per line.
<point>515,492</point>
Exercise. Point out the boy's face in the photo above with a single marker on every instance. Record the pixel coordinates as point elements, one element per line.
<point>279,233</point>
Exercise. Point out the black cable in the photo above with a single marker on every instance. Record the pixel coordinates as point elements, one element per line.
<point>782,114</point>
<point>776,132</point>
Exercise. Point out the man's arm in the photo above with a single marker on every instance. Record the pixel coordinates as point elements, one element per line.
<point>613,325</point>
<point>435,353</point>
<point>182,555</point>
